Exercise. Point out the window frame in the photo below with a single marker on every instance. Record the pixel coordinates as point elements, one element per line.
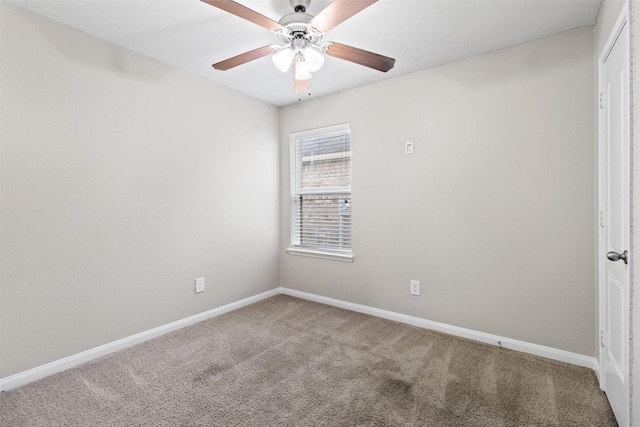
<point>295,175</point>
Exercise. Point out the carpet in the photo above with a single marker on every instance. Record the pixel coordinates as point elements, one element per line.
<point>289,362</point>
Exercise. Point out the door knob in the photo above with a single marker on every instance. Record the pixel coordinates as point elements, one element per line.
<point>615,256</point>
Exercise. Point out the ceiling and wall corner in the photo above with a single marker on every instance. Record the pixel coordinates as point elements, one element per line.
<point>192,35</point>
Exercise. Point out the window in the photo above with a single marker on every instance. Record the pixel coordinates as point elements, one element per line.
<point>320,165</point>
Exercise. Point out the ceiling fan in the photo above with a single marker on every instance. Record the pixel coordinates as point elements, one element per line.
<point>301,39</point>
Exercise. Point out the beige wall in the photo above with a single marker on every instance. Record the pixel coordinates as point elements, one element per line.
<point>494,213</point>
<point>122,181</point>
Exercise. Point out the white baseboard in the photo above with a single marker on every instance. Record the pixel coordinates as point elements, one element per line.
<point>42,371</point>
<point>525,347</point>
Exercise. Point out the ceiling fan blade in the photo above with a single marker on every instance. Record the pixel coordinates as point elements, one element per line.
<point>245,13</point>
<point>243,58</point>
<point>338,12</point>
<point>300,86</point>
<point>360,56</point>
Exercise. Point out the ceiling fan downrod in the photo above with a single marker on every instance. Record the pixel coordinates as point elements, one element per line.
<point>300,5</point>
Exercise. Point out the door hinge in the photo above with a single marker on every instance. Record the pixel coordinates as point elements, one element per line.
<point>602,337</point>
<point>602,101</point>
<point>603,219</point>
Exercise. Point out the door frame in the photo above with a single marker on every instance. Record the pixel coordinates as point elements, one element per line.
<point>623,19</point>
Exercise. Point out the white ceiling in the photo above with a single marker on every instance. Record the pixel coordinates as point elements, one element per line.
<point>192,35</point>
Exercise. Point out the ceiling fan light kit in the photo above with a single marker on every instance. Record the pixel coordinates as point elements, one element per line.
<point>301,35</point>
<point>282,59</point>
<point>303,71</point>
<point>313,58</point>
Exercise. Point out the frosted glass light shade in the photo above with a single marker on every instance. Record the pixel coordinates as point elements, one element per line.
<point>313,58</point>
<point>302,70</point>
<point>282,59</point>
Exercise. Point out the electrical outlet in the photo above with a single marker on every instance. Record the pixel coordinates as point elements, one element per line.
<point>199,285</point>
<point>414,287</point>
<point>408,148</point>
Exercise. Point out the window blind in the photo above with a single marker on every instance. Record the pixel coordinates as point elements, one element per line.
<point>321,189</point>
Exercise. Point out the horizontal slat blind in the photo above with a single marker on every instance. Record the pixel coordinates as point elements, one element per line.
<point>321,189</point>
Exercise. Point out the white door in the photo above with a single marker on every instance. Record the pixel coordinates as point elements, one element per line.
<point>614,244</point>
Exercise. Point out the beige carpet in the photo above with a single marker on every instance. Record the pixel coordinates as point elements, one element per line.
<point>289,362</point>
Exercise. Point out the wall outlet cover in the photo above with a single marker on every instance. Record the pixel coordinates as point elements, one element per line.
<point>199,285</point>
<point>414,287</point>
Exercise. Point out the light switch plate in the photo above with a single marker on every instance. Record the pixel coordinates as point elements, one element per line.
<point>408,147</point>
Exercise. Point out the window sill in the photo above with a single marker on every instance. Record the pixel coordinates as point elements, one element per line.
<point>322,255</point>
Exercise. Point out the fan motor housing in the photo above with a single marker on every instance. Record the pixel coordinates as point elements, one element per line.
<point>296,24</point>
<point>296,21</point>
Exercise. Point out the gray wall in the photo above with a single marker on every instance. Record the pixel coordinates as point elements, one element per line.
<point>122,181</point>
<point>494,213</point>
